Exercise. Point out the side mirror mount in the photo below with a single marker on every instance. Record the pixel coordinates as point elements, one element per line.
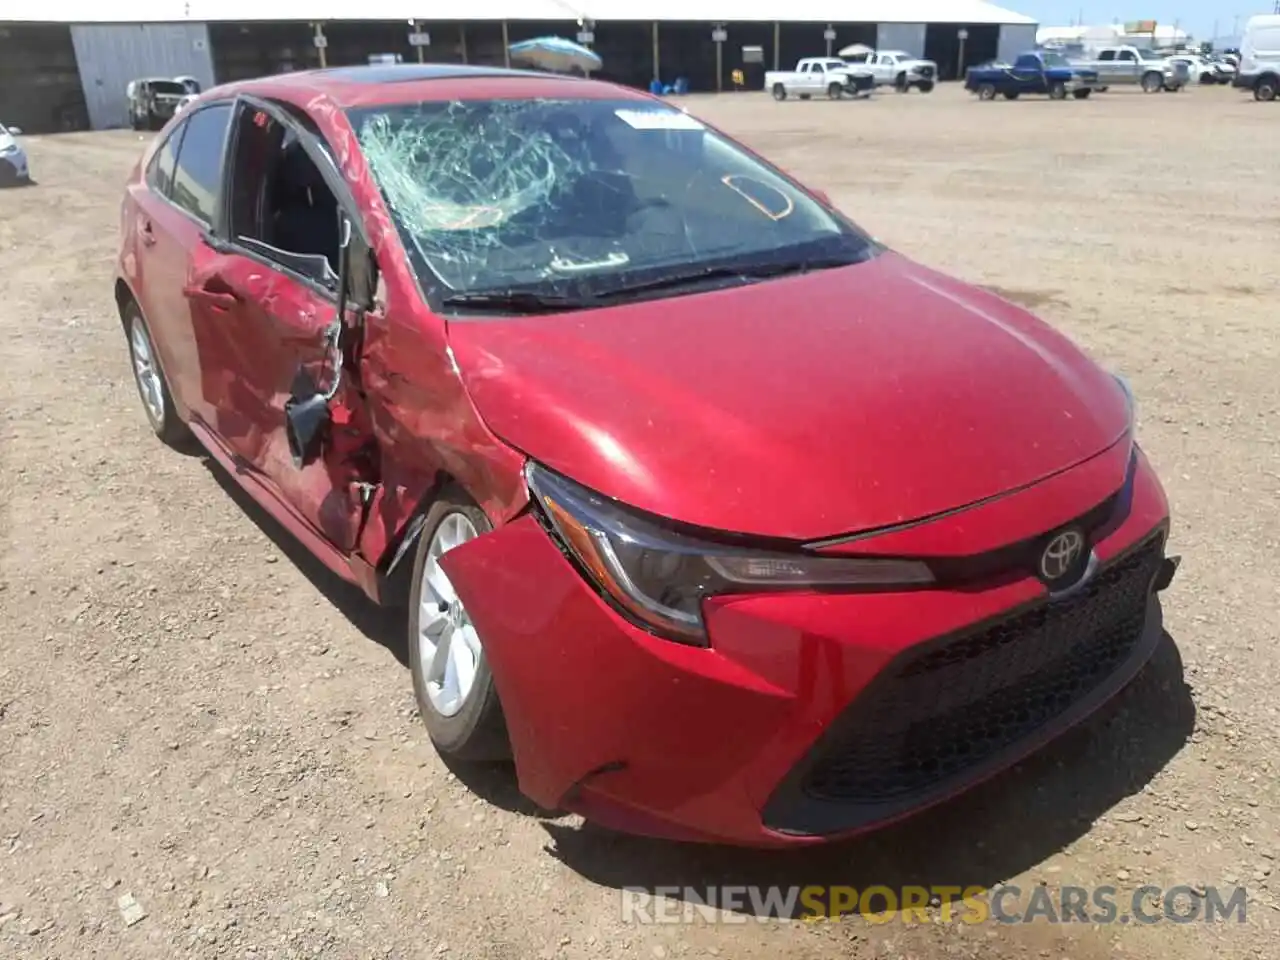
<point>306,412</point>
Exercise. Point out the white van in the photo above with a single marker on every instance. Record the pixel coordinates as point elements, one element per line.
<point>1260,57</point>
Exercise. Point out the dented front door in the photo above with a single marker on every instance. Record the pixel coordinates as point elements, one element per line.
<point>257,326</point>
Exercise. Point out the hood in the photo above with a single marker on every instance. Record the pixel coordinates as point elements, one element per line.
<point>802,407</point>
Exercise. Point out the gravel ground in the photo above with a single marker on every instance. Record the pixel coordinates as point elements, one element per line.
<point>197,722</point>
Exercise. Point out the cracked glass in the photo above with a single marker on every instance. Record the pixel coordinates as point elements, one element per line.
<point>538,194</point>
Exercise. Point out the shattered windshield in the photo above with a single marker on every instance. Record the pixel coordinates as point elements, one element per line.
<point>544,195</point>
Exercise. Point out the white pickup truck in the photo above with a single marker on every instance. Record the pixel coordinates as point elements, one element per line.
<point>820,76</point>
<point>1135,66</point>
<point>898,69</point>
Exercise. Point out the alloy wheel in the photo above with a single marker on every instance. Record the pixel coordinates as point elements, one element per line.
<point>448,644</point>
<point>146,372</point>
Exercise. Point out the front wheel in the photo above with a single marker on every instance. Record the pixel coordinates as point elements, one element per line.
<point>1081,94</point>
<point>1266,89</point>
<point>987,91</point>
<point>1152,83</point>
<point>451,678</point>
<point>925,86</point>
<point>779,92</point>
<point>900,83</point>
<point>834,91</point>
<point>1012,95</point>
<point>1057,91</point>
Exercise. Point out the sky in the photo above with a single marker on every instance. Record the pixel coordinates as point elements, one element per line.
<point>1195,16</point>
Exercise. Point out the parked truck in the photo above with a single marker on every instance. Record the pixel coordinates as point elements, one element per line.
<point>898,69</point>
<point>820,76</point>
<point>1135,66</point>
<point>1036,72</point>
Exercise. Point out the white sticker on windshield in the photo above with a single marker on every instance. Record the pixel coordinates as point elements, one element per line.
<point>658,120</point>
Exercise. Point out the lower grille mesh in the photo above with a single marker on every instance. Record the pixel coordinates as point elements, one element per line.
<point>957,703</point>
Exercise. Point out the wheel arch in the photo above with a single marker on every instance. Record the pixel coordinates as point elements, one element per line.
<point>124,298</point>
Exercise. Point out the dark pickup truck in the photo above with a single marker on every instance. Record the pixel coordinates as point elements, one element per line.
<point>1043,71</point>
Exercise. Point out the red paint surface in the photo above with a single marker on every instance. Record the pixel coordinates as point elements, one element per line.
<point>706,734</point>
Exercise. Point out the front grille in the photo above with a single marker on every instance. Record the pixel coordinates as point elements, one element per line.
<point>959,701</point>
<point>925,71</point>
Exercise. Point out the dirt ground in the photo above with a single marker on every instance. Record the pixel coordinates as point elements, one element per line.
<point>195,715</point>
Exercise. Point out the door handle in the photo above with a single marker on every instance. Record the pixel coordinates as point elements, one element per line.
<point>218,299</point>
<point>147,234</point>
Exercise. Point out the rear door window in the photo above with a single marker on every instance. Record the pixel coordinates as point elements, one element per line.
<point>198,174</point>
<point>163,163</point>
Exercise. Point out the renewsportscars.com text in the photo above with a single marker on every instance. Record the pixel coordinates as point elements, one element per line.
<point>1007,903</point>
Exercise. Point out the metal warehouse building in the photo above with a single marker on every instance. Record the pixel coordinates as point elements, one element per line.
<point>64,64</point>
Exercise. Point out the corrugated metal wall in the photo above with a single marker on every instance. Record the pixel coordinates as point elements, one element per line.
<point>110,55</point>
<point>1016,39</point>
<point>908,37</point>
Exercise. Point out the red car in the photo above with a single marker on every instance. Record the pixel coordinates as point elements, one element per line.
<point>720,518</point>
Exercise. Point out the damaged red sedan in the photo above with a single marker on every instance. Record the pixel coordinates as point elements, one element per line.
<point>722,520</point>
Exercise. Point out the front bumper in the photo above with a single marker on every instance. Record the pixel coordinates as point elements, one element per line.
<point>806,720</point>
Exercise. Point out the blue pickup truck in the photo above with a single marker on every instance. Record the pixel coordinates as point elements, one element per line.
<point>1041,71</point>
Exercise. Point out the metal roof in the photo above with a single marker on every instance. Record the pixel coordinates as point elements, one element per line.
<point>696,11</point>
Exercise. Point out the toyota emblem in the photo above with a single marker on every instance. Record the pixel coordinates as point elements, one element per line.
<point>1061,555</point>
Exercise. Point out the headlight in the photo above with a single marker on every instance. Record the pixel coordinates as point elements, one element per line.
<point>658,578</point>
<point>8,149</point>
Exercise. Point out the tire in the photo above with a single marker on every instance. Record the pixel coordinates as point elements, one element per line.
<point>135,122</point>
<point>476,731</point>
<point>1152,82</point>
<point>1012,95</point>
<point>1081,94</point>
<point>1208,78</point>
<point>152,384</point>
<point>986,91</point>
<point>925,86</point>
<point>1266,89</point>
<point>1057,91</point>
<point>900,83</point>
<point>834,91</point>
<point>779,92</point>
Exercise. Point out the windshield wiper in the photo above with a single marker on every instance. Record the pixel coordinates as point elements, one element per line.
<point>517,301</point>
<point>743,272</point>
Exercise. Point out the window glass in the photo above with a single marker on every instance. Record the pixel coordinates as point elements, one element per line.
<point>281,207</point>
<point>1127,55</point>
<point>491,194</point>
<point>199,169</point>
<point>160,171</point>
<point>1107,55</point>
